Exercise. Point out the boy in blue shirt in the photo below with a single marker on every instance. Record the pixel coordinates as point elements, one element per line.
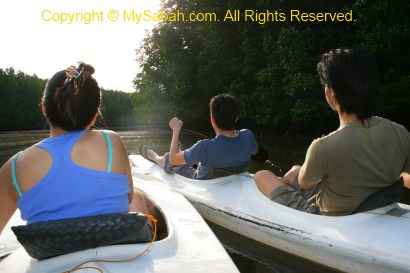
<point>229,150</point>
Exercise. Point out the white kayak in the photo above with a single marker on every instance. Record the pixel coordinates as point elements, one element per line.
<point>374,241</point>
<point>190,245</point>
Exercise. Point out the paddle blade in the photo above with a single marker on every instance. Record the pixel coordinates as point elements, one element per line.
<point>261,156</point>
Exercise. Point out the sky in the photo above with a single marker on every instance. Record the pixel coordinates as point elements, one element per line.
<point>45,36</point>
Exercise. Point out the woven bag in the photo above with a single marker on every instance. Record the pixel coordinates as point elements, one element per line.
<point>57,237</point>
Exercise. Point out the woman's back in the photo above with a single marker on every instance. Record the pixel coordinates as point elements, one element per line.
<point>76,171</point>
<point>66,176</point>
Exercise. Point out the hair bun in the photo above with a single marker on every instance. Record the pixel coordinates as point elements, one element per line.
<point>78,75</point>
<point>86,68</point>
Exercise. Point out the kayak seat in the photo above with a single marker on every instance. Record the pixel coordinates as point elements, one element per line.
<point>383,197</point>
<point>221,172</point>
<point>398,212</point>
<point>48,239</point>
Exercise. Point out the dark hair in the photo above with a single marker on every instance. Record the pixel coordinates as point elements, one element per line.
<point>224,109</point>
<point>353,76</point>
<point>71,102</point>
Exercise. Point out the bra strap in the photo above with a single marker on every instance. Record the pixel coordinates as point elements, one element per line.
<point>13,174</point>
<point>107,138</point>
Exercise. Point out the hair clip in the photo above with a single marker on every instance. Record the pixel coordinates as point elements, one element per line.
<point>72,73</point>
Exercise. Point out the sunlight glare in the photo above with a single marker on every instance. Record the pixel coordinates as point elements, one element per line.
<point>35,46</point>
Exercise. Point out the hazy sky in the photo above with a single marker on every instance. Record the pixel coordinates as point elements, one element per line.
<point>34,40</point>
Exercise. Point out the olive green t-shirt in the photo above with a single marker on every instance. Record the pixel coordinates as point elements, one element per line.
<point>356,161</point>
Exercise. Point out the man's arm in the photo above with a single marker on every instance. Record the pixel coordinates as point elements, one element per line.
<point>406,179</point>
<point>314,167</point>
<point>176,157</point>
<point>303,185</point>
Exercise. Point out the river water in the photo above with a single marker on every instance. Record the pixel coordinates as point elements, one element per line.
<point>248,255</point>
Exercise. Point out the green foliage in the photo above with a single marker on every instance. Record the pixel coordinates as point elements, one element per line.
<point>270,67</point>
<point>19,101</point>
<point>383,29</point>
<point>117,108</point>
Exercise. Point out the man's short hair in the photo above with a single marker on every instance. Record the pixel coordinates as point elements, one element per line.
<point>224,109</point>
<point>353,76</point>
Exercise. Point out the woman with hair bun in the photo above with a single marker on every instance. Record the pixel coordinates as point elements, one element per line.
<point>75,172</point>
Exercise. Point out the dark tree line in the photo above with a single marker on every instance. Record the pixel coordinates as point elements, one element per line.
<point>20,96</point>
<point>271,67</point>
<point>117,109</point>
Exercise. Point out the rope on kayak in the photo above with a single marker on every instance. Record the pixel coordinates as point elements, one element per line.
<point>81,266</point>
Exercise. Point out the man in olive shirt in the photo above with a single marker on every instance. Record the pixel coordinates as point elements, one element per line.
<point>365,154</point>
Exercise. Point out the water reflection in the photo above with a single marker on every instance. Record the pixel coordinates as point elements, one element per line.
<point>283,152</point>
<point>251,256</point>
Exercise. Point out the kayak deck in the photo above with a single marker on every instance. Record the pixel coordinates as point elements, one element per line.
<point>366,242</point>
<point>190,245</point>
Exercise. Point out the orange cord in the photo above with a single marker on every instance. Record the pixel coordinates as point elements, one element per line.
<point>80,266</point>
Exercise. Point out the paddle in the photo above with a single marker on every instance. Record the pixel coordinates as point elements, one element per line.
<point>261,156</point>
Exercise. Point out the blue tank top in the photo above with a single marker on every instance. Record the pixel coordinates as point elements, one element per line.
<point>69,190</point>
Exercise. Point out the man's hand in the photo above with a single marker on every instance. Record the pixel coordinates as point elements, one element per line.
<point>176,124</point>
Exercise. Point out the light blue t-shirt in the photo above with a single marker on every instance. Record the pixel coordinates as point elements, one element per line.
<point>69,190</point>
<point>221,152</point>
